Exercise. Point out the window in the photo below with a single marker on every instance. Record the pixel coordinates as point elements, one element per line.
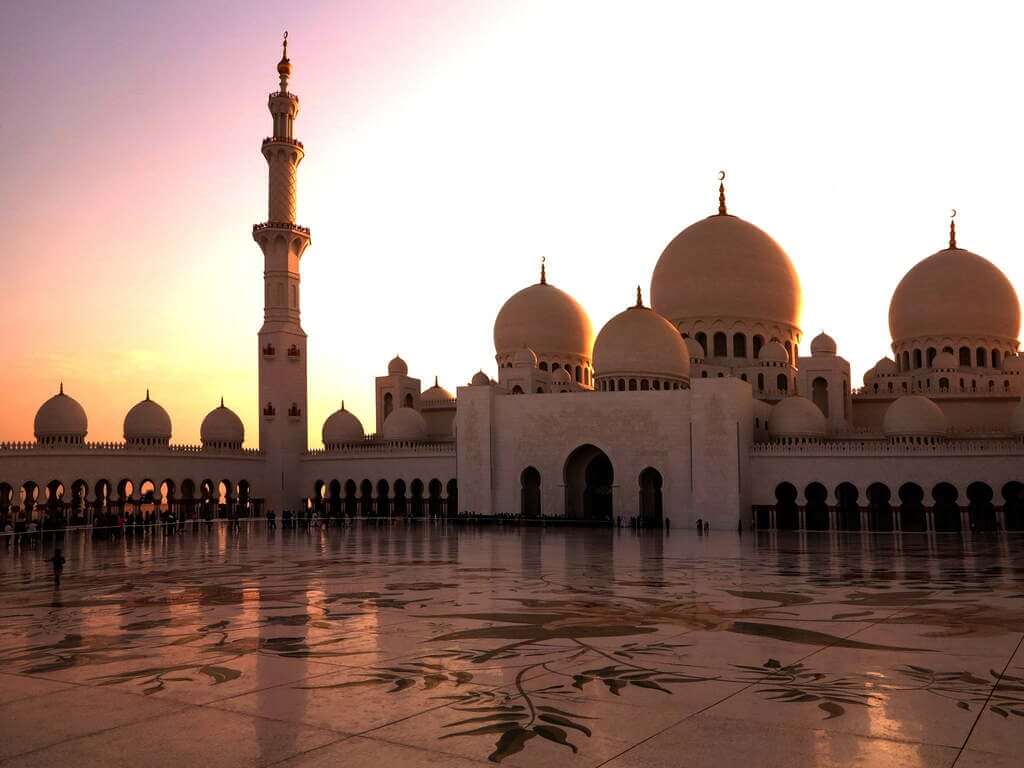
<point>782,382</point>
<point>579,374</point>
<point>931,356</point>
<point>739,345</point>
<point>632,385</point>
<point>760,382</point>
<point>965,355</point>
<point>645,385</point>
<point>995,358</point>
<point>721,343</point>
<point>543,366</point>
<point>981,357</point>
<point>657,384</point>
<point>622,385</point>
<point>917,358</point>
<point>758,343</point>
<point>702,339</point>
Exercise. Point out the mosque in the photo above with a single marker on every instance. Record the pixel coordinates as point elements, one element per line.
<point>698,404</point>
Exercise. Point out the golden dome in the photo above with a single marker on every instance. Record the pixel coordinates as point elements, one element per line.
<point>823,345</point>
<point>724,266</point>
<point>545,319</point>
<point>397,367</point>
<point>640,342</point>
<point>436,397</point>
<point>954,293</point>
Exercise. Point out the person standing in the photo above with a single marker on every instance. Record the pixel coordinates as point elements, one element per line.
<point>58,566</point>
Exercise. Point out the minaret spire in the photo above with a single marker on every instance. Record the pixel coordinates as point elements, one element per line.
<point>284,66</point>
<point>543,272</point>
<point>952,229</point>
<point>639,297</point>
<point>721,194</point>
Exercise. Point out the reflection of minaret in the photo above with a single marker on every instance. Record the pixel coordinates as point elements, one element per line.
<point>282,341</point>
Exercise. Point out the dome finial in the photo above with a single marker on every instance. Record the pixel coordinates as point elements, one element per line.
<point>284,66</point>
<point>147,393</point>
<point>639,297</point>
<point>62,388</point>
<point>343,405</point>
<point>543,271</point>
<point>222,401</point>
<point>435,380</point>
<point>952,229</point>
<point>721,194</point>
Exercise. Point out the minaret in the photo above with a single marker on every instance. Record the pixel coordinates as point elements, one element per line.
<point>282,342</point>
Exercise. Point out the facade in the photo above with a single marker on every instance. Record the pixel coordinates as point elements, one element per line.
<point>700,406</point>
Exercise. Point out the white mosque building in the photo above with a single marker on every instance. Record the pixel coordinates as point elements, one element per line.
<point>699,405</point>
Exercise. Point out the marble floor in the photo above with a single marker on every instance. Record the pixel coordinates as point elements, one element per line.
<point>421,645</point>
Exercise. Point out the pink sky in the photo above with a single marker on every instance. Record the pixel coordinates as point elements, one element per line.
<point>449,146</point>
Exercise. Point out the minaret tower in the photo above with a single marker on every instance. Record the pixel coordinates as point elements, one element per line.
<point>282,342</point>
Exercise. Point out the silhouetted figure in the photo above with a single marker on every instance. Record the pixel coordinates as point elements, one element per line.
<point>707,527</point>
<point>58,566</point>
<point>739,527</point>
<point>700,526</point>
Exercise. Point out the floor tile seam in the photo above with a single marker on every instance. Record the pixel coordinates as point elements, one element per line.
<point>982,709</point>
<point>418,748</point>
<point>181,708</point>
<point>302,753</point>
<point>724,699</point>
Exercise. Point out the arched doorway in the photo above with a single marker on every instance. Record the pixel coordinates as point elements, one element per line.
<point>787,517</point>
<point>1013,506</point>
<point>350,498</point>
<point>434,491</point>
<point>453,497</point>
<point>945,511</point>
<point>366,498</point>
<point>816,511</point>
<point>849,510</point>
<point>819,394</point>
<point>981,512</point>
<point>383,502</point>
<point>651,512</point>
<point>589,478</point>
<point>416,505</point>
<point>401,504</point>
<point>879,508</point>
<point>529,501</point>
<point>912,513</point>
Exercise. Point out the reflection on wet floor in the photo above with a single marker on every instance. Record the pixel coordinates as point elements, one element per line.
<point>525,645</point>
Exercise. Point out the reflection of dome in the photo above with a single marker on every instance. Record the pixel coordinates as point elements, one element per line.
<point>640,342</point>
<point>524,358</point>
<point>954,293</point>
<point>61,419</point>
<point>1017,420</point>
<point>222,428</point>
<point>397,367</point>
<point>147,422</point>
<point>796,417</point>
<point>773,352</point>
<point>545,319</point>
<point>405,424</point>
<point>694,349</point>
<point>914,416</point>
<point>944,361</point>
<point>341,427</point>
<point>436,396</point>
<point>724,266</point>
<point>480,379</point>
<point>823,345</point>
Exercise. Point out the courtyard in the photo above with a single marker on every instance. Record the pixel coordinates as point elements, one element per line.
<point>421,644</point>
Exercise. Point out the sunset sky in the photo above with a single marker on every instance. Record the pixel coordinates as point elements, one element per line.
<point>449,145</point>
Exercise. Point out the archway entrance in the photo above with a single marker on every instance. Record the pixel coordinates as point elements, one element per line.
<point>787,516</point>
<point>650,498</point>
<point>530,495</point>
<point>945,511</point>
<point>589,478</point>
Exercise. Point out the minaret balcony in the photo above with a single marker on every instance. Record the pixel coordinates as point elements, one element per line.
<point>282,140</point>
<point>280,225</point>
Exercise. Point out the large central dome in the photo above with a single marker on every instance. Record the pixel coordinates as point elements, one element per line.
<point>546,320</point>
<point>954,293</point>
<point>725,267</point>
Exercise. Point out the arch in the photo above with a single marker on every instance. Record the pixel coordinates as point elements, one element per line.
<point>739,345</point>
<point>579,375</point>
<point>645,385</point>
<point>334,498</point>
<point>245,496</point>
<point>995,358</point>
<point>787,516</point>
<point>917,358</point>
<point>848,511</point>
<point>383,501</point>
<point>543,366</point>
<point>529,494</point>
<point>407,401</point>
<point>517,390</point>
<point>758,343</point>
<point>453,497</point>
<point>434,491</point>
<point>622,385</point>
<point>416,503</point>
<point>880,512</point>
<point>651,502</point>
<point>912,512</point>
<point>589,479</point>
<point>702,339</point>
<point>965,356</point>
<point>1013,506</point>
<point>816,511</point>
<point>980,512</point>
<point>819,394</point>
<point>981,357</point>
<point>931,355</point>
<point>721,344</point>
<point>906,361</point>
<point>945,510</point>
<point>366,498</point>
<point>760,382</point>
<point>400,504</point>
<point>782,382</point>
<point>351,490</point>
<point>389,404</point>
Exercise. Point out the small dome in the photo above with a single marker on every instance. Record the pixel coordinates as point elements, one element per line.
<point>436,396</point>
<point>796,416</point>
<point>869,374</point>
<point>1017,420</point>
<point>1013,364</point>
<point>405,424</point>
<point>954,293</point>
<point>61,418</point>
<point>823,345</point>
<point>480,379</point>
<point>773,352</point>
<point>147,421</point>
<point>914,416</point>
<point>694,349</point>
<point>561,376</point>
<point>524,358</point>
<point>397,367</point>
<point>341,427</point>
<point>545,319</point>
<point>222,428</point>
<point>724,266</point>
<point>886,367</point>
<point>639,341</point>
<point>944,360</point>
